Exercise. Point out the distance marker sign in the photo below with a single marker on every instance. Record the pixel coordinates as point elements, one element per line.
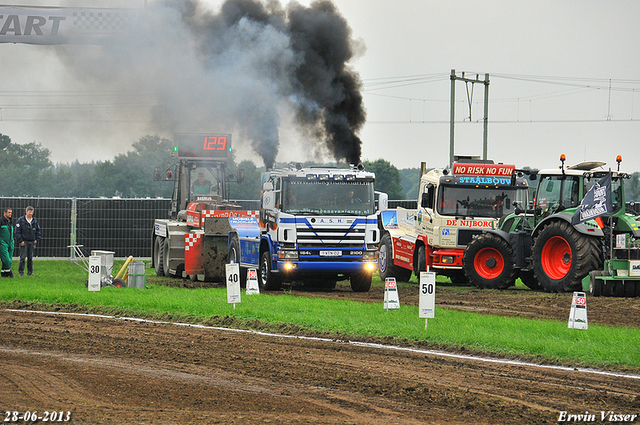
<point>252,282</point>
<point>578,314</point>
<point>94,273</point>
<point>427,304</point>
<point>391,300</point>
<point>233,283</point>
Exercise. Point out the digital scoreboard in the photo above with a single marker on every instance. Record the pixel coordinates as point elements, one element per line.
<point>203,145</point>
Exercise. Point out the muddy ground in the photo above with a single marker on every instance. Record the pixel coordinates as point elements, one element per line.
<point>114,371</point>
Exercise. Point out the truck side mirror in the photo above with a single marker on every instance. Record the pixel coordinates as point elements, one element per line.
<point>267,186</point>
<point>383,201</point>
<point>268,199</point>
<point>425,200</point>
<point>240,177</point>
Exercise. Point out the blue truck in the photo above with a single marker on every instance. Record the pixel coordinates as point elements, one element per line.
<point>316,225</point>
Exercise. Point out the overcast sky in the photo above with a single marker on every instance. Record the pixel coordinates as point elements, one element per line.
<point>564,78</point>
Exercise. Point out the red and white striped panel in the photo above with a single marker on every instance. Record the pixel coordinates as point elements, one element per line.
<point>190,239</point>
<point>229,213</point>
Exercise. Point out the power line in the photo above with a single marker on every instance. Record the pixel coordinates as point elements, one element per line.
<point>385,83</point>
<point>504,121</point>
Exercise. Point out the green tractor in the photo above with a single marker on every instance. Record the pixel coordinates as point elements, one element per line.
<point>542,246</point>
<point>620,275</point>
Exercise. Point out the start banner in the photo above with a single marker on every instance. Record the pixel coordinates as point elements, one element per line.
<point>33,25</point>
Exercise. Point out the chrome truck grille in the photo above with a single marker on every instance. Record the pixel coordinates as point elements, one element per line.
<point>330,235</point>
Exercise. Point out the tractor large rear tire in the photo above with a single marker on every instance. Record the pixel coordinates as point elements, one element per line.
<point>386,268</point>
<point>488,262</point>
<point>562,256</point>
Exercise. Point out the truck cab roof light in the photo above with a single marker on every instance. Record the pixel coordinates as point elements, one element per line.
<point>338,177</point>
<point>350,177</point>
<point>323,176</point>
<point>311,177</point>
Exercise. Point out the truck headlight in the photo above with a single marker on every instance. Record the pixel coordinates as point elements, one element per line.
<point>287,255</point>
<point>370,256</point>
<point>447,259</point>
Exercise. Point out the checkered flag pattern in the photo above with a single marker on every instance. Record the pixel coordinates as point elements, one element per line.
<point>190,239</point>
<point>101,21</point>
<point>218,213</point>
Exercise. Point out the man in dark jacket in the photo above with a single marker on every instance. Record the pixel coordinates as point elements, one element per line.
<point>6,242</point>
<point>28,235</point>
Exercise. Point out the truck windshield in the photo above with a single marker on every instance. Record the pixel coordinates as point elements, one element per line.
<point>556,193</point>
<point>328,197</point>
<point>203,184</point>
<point>478,202</point>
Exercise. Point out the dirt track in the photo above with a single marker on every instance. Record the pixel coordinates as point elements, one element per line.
<point>118,371</point>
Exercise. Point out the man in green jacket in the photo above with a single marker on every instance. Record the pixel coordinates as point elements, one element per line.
<point>6,242</point>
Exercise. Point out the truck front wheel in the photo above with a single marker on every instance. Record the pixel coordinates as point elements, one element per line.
<point>360,282</point>
<point>268,280</point>
<point>166,256</point>
<point>488,262</point>
<point>562,256</point>
<point>386,268</point>
<point>421,261</point>
<point>158,255</point>
<point>234,258</point>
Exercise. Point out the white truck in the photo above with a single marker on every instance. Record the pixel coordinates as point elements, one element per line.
<point>454,206</point>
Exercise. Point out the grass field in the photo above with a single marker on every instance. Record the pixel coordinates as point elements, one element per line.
<point>63,283</point>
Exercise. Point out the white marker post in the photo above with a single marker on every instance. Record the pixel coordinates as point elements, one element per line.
<point>427,304</point>
<point>578,314</point>
<point>391,300</point>
<point>94,273</point>
<point>252,282</point>
<point>233,283</point>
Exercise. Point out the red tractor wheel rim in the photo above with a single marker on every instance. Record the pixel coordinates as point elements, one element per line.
<point>489,263</point>
<point>556,258</point>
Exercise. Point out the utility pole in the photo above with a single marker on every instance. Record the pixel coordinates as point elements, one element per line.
<point>485,133</point>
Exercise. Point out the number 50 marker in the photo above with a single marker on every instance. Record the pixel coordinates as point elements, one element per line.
<point>427,303</point>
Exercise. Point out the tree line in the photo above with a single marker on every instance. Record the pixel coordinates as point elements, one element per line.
<point>27,171</point>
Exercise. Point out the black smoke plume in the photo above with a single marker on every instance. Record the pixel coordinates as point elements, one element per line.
<point>240,70</point>
<point>316,80</point>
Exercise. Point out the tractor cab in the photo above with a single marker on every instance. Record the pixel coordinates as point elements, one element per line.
<point>200,174</point>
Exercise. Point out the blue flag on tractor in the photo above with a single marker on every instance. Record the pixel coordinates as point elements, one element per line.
<point>596,203</point>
